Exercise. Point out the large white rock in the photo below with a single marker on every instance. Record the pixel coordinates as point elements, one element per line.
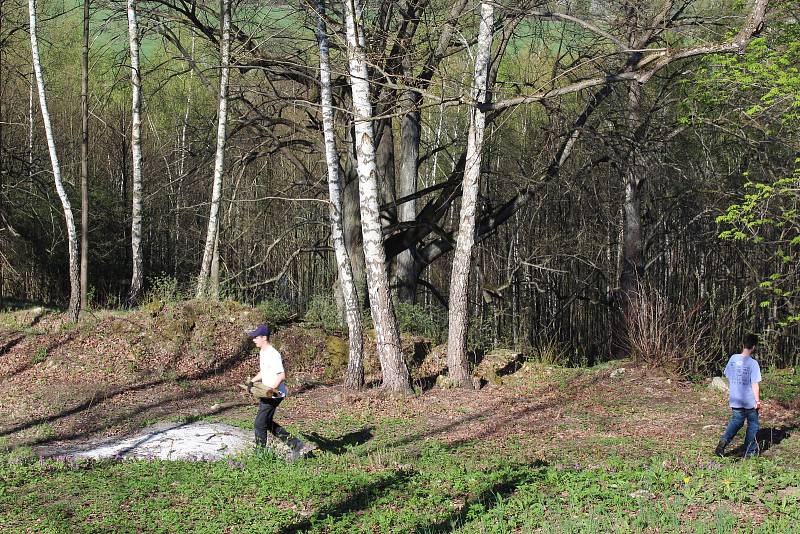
<point>720,384</point>
<point>168,441</point>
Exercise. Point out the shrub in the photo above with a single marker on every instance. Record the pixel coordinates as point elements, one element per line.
<point>322,312</point>
<point>480,335</point>
<point>275,311</point>
<point>416,319</point>
<point>665,334</point>
<point>548,351</point>
<point>164,288</point>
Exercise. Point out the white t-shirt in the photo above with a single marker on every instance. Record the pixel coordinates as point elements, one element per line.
<point>271,364</point>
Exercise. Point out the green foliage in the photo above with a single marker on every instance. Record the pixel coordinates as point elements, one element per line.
<point>40,355</point>
<point>275,311</point>
<point>322,312</point>
<point>768,221</point>
<point>417,320</point>
<point>480,335</point>
<point>758,91</point>
<point>782,385</point>
<point>163,288</point>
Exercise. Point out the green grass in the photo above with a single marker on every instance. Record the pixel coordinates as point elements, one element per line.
<point>780,384</point>
<point>386,485</point>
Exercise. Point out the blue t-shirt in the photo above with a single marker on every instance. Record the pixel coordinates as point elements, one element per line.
<point>742,372</point>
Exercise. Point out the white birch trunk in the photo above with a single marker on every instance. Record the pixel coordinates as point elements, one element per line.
<point>219,160</point>
<point>354,377</point>
<point>395,371</point>
<point>458,366</point>
<point>137,277</point>
<point>72,234</point>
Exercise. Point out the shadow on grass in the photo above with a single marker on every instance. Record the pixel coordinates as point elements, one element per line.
<point>358,499</point>
<point>487,499</point>
<point>766,439</point>
<point>342,443</point>
<point>361,498</point>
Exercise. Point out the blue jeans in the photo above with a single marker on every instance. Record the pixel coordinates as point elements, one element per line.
<point>736,423</point>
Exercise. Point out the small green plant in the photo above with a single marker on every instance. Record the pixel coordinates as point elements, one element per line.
<point>275,311</point>
<point>40,355</point>
<point>782,385</point>
<point>322,312</point>
<point>480,336</point>
<point>548,351</point>
<point>164,288</point>
<point>91,298</point>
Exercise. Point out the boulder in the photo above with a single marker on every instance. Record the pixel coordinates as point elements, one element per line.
<point>445,382</point>
<point>338,352</point>
<point>496,364</point>
<point>719,384</point>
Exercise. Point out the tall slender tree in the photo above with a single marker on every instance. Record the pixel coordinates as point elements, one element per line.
<point>395,370</point>
<point>354,378</point>
<point>457,364</point>
<point>204,279</point>
<point>85,159</point>
<point>137,277</point>
<point>72,235</point>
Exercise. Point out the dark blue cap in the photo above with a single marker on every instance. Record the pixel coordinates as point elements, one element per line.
<point>262,330</point>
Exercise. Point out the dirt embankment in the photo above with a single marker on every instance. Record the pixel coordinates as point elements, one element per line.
<point>117,370</point>
<point>114,372</point>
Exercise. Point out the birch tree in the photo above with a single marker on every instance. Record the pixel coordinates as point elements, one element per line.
<point>137,276</point>
<point>72,235</point>
<point>354,378</point>
<point>457,363</point>
<point>395,371</point>
<point>219,159</point>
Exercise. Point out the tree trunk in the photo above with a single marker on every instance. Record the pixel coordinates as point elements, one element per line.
<point>405,270</point>
<point>182,165</point>
<point>384,160</point>
<point>457,363</point>
<point>85,159</point>
<point>354,377</point>
<point>395,371</point>
<point>353,240</point>
<point>137,278</point>
<point>72,235</point>
<point>632,248</point>
<point>216,194</point>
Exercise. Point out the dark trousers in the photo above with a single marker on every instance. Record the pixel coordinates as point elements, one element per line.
<point>264,423</point>
<point>739,416</point>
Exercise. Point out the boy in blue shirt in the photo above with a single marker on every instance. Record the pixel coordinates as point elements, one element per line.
<point>743,375</point>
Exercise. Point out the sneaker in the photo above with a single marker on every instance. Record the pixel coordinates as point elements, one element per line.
<point>720,450</point>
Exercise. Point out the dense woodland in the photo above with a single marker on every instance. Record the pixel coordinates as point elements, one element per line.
<point>635,187</point>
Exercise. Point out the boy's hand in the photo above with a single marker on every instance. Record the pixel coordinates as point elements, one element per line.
<point>758,404</point>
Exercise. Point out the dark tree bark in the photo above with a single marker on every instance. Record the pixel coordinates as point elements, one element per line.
<point>85,159</point>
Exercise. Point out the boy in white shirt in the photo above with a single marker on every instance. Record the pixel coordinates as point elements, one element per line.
<point>272,375</point>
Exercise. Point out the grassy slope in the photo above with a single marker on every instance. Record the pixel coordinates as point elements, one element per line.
<point>551,450</point>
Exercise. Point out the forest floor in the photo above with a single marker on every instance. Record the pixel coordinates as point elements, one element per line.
<point>613,447</point>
